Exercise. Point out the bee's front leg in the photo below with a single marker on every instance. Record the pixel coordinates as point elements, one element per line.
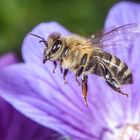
<point>61,61</point>
<point>64,76</point>
<point>85,88</point>
<point>61,69</point>
<point>55,65</point>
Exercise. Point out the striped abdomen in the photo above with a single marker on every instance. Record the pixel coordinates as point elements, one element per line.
<point>118,68</point>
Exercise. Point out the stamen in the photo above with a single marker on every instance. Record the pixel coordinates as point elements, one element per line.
<point>130,132</point>
<point>125,131</point>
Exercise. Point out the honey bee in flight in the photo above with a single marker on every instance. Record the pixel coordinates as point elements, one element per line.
<point>85,56</point>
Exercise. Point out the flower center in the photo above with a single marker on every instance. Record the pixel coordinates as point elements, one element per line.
<point>129,132</point>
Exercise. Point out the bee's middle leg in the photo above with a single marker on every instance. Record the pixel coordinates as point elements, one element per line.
<point>78,73</point>
<point>64,75</point>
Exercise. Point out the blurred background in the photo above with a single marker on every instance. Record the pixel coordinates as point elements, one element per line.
<point>18,17</point>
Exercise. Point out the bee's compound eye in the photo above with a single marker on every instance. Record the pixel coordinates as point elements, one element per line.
<point>55,47</point>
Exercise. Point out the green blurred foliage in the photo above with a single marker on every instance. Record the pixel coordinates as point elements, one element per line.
<point>18,17</point>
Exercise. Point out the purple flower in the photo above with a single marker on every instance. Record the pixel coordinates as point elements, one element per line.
<point>39,94</point>
<point>15,126</point>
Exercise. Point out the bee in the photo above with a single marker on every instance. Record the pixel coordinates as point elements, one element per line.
<point>85,56</point>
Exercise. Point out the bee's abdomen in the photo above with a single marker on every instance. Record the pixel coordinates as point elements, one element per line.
<point>118,68</point>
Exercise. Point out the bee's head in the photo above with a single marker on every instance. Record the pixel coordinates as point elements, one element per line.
<point>52,48</point>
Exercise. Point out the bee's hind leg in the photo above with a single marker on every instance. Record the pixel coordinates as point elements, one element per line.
<point>85,88</point>
<point>111,81</point>
<point>113,84</point>
<point>119,91</point>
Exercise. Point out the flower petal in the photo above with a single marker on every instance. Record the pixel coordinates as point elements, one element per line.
<point>8,59</point>
<point>41,96</point>
<point>32,50</point>
<point>121,14</point>
<point>46,101</point>
<point>15,126</point>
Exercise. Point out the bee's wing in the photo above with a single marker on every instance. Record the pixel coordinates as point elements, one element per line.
<point>119,38</point>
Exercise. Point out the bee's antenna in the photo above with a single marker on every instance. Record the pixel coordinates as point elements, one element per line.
<point>42,39</point>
